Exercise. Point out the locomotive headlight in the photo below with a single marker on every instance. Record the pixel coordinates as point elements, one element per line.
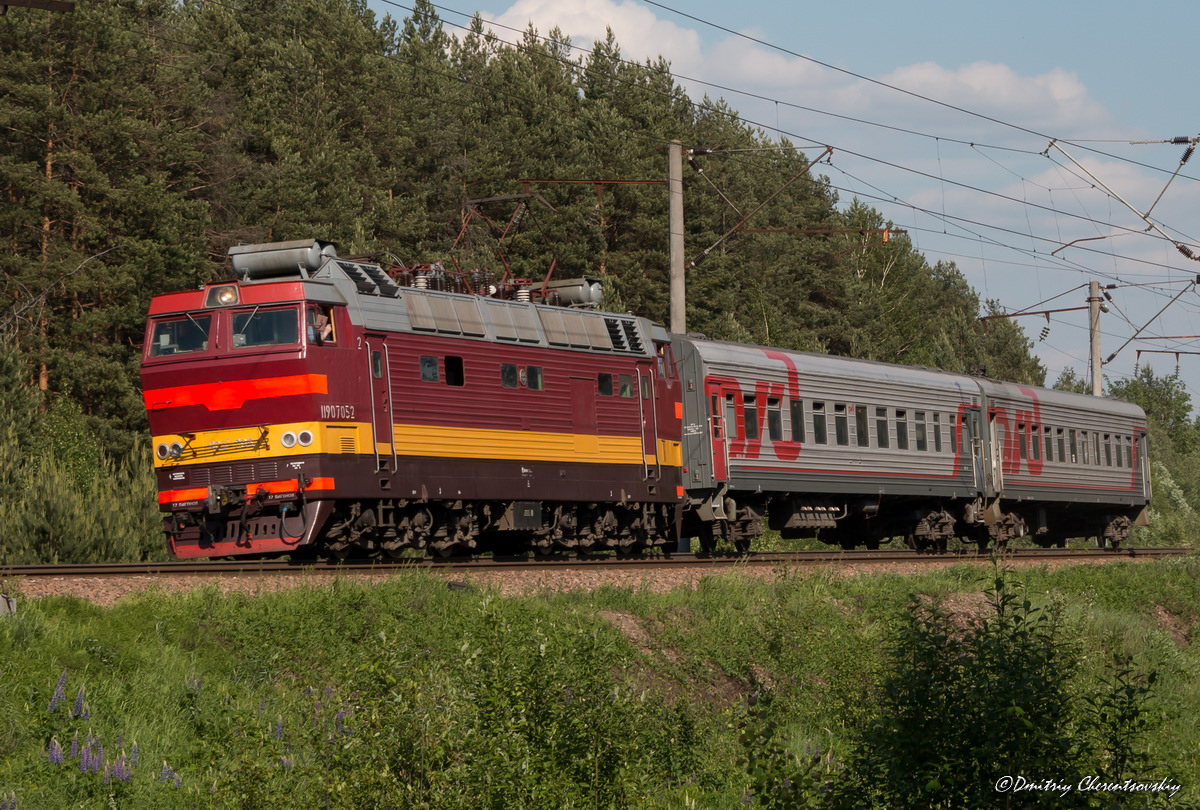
<point>223,296</point>
<point>161,452</point>
<point>305,438</point>
<point>176,450</point>
<point>288,439</point>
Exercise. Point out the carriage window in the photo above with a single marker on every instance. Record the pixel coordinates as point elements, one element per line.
<point>508,375</point>
<point>954,433</point>
<point>901,429</point>
<point>797,420</point>
<point>751,406</point>
<point>625,385</point>
<point>265,327</point>
<point>455,373</point>
<point>841,427</point>
<point>1096,449</point>
<point>604,384</point>
<point>1108,450</point>
<point>180,335</point>
<point>881,427</point>
<point>919,425</point>
<point>937,433</point>
<point>1074,447</point>
<point>429,369</point>
<point>1049,444</point>
<point>862,426</point>
<point>533,377</point>
<point>774,420</point>
<point>820,427</point>
<point>1035,444</point>
<point>1083,446</point>
<point>730,417</point>
<point>1021,443</point>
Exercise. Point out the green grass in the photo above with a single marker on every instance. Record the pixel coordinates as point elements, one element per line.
<point>413,694</point>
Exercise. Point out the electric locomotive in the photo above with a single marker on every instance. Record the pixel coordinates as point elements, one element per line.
<point>317,405</point>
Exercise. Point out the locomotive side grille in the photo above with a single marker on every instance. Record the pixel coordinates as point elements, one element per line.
<point>614,332</point>
<point>631,332</point>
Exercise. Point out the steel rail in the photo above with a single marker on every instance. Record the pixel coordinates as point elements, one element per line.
<point>834,557</point>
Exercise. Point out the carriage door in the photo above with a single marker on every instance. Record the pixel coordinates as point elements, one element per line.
<point>648,408</point>
<point>382,420</point>
<point>719,422</point>
<point>973,445</point>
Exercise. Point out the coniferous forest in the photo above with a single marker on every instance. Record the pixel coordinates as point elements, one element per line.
<point>144,138</point>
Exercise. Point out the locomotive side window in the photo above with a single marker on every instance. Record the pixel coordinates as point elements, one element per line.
<point>508,375</point>
<point>751,406</point>
<point>455,374</point>
<point>820,426</point>
<point>625,386</point>
<point>377,365</point>
<point>774,420</point>
<point>841,427</point>
<point>429,369</point>
<point>921,430</point>
<point>644,381</point>
<point>881,427</point>
<point>901,429</point>
<point>265,327</point>
<point>180,335</point>
<point>862,426</point>
<point>534,378</point>
<point>797,415</point>
<point>604,384</point>
<point>320,325</point>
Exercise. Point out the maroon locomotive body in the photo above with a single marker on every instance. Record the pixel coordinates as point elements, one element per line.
<point>315,404</point>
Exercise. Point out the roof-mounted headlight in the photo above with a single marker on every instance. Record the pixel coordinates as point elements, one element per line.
<point>224,296</point>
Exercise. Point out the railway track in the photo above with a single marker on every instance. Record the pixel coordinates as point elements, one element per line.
<point>772,558</point>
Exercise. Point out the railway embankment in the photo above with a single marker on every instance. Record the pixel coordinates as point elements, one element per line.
<point>792,687</point>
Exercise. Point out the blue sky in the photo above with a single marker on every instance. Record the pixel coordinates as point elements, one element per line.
<point>975,191</point>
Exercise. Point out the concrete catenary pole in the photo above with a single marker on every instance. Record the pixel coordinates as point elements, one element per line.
<point>677,261</point>
<point>1094,334</point>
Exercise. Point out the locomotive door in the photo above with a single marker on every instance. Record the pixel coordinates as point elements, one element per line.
<point>383,426</point>
<point>648,408</point>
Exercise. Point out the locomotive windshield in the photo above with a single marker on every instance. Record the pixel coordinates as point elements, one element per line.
<point>180,335</point>
<point>265,327</point>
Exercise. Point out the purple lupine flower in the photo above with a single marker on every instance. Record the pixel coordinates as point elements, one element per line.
<point>166,772</point>
<point>98,759</point>
<point>60,692</point>
<point>54,752</point>
<point>286,763</point>
<point>77,709</point>
<point>107,774</point>
<point>339,722</point>
<point>85,760</point>
<point>309,691</point>
<point>279,727</point>
<point>178,782</point>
